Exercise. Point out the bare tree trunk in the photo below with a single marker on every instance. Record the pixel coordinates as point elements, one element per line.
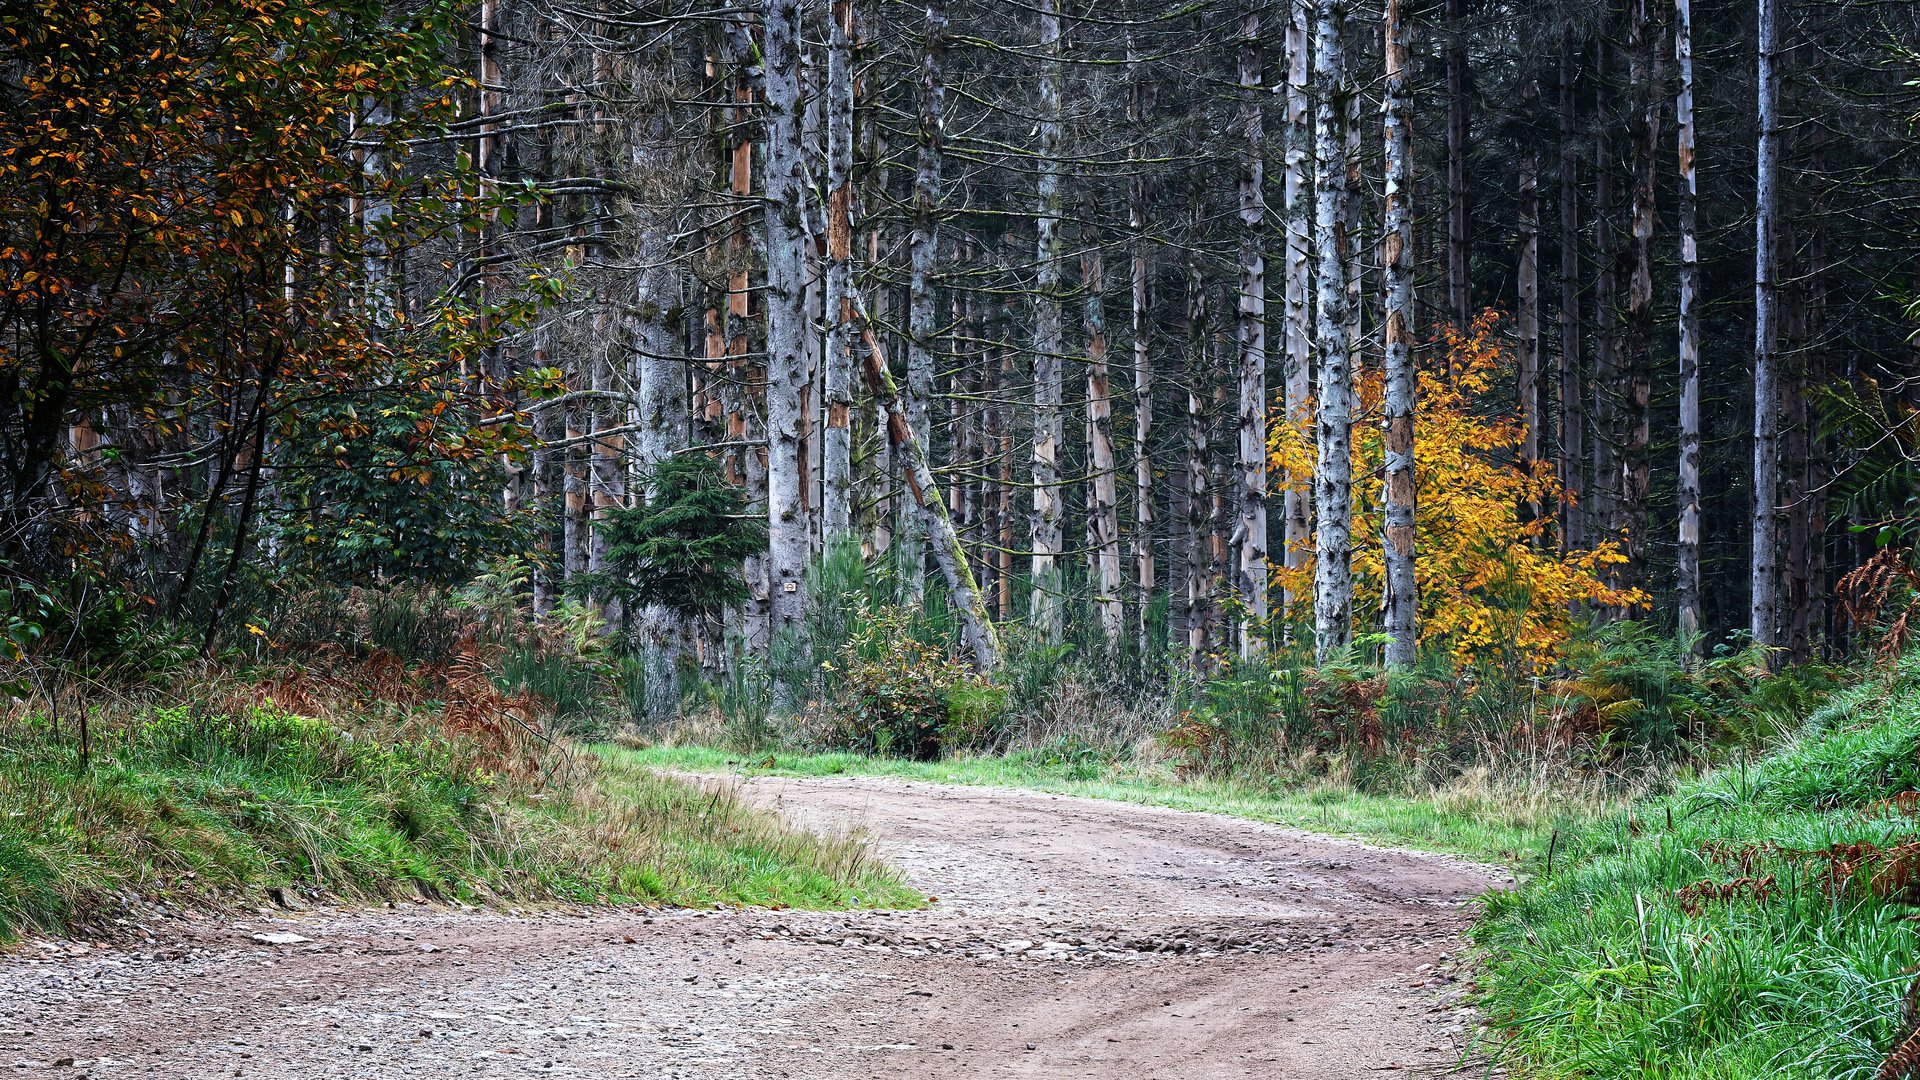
<point>1687,554</point>
<point>1297,505</point>
<point>1630,510</point>
<point>922,306</point>
<point>1140,103</point>
<point>787,543</point>
<point>576,530</point>
<point>976,629</point>
<point>1199,375</point>
<point>1573,449</point>
<point>1333,474</point>
<point>1397,538</point>
<point>1459,209</point>
<point>1046,607</point>
<point>1103,511</point>
<point>1765,606</point>
<point>836,439</point>
<point>1526,314</point>
<point>1606,316</point>
<point>608,476</point>
<point>660,378</point>
<point>1250,530</point>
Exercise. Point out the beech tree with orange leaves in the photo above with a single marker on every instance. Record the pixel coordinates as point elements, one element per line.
<point>1491,582</point>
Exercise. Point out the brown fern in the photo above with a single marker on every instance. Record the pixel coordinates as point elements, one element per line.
<point>1867,590</point>
<point>1903,1062</point>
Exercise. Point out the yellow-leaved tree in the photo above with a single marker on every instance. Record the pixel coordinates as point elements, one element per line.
<point>1493,583</point>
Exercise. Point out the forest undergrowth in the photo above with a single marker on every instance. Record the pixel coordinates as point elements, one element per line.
<point>409,746</point>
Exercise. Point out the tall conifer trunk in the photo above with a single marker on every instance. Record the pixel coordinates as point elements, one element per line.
<point>1687,551</point>
<point>1250,530</point>
<point>836,437</point>
<point>1297,362</point>
<point>1764,612</point>
<point>787,377</point>
<point>1333,474</point>
<point>1396,257</point>
<point>1046,607</point>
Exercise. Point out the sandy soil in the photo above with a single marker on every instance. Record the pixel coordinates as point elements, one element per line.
<point>1071,938</point>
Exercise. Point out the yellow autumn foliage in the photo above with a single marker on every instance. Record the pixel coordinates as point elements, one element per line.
<point>1493,583</point>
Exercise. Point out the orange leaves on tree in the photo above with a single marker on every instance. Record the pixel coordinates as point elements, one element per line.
<point>1493,581</point>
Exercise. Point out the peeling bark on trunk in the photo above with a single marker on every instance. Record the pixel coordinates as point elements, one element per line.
<point>836,438</point>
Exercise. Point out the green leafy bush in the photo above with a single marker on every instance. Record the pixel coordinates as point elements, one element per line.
<point>898,695</point>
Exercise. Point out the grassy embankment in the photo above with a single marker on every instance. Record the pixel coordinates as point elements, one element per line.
<point>211,811</point>
<point>1757,922</point>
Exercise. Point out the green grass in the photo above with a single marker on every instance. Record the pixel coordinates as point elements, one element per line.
<point>1603,971</point>
<point>1478,818</point>
<point>212,810</point>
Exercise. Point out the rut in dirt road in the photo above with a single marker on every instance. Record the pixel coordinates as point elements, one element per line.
<point>1071,938</point>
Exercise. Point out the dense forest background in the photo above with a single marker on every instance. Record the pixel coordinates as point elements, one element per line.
<point>1180,336</point>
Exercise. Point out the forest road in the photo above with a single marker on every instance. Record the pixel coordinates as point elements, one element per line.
<point>1071,938</point>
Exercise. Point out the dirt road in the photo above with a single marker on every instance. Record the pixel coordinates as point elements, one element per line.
<point>1072,938</point>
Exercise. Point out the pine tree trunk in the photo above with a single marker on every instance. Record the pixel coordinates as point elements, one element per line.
<point>1297,364</point>
<point>1397,537</point>
<point>1140,104</point>
<point>836,439</point>
<point>1333,473</point>
<point>1199,498</point>
<point>922,303</point>
<point>1764,613</point>
<point>1573,449</point>
<point>608,477</point>
<point>1630,509</point>
<point>1526,307</point>
<point>1604,385</point>
<point>976,629</point>
<point>1687,552</point>
<point>1459,208</point>
<point>1046,607</point>
<point>1103,511</point>
<point>661,420</point>
<point>1250,530</point>
<point>787,542</point>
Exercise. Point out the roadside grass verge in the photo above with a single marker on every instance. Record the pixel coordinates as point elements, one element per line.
<point>1756,922</point>
<point>1503,821</point>
<point>212,810</point>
